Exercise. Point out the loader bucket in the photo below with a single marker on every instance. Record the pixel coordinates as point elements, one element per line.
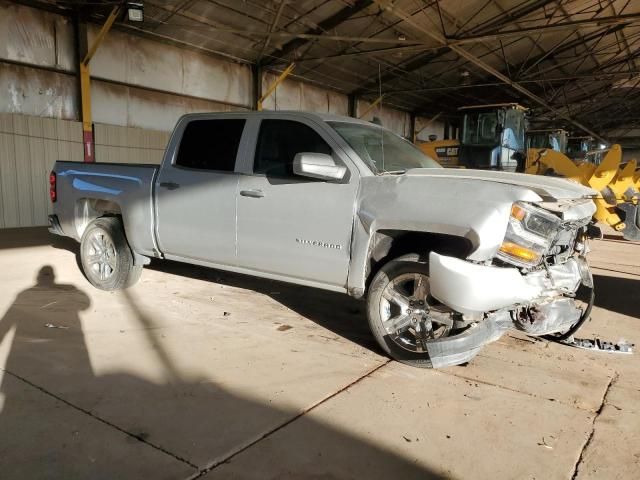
<point>631,214</point>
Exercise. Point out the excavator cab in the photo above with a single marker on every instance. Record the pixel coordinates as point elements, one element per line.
<point>578,147</point>
<point>493,137</point>
<point>553,139</point>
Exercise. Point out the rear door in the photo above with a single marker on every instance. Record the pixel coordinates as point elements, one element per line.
<point>290,225</point>
<point>196,191</point>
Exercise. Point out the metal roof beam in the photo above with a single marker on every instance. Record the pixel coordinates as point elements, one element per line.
<point>386,4</point>
<point>485,28</point>
<point>542,29</point>
<point>327,24</point>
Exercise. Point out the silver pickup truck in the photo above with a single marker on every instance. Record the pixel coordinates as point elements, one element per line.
<point>447,259</point>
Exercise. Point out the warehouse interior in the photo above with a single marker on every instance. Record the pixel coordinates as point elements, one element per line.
<point>200,373</point>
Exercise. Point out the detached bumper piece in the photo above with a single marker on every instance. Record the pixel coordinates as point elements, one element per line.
<point>600,345</point>
<point>54,225</point>
<point>445,352</point>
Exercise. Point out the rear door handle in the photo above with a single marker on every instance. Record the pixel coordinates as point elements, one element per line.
<point>170,185</point>
<point>252,193</point>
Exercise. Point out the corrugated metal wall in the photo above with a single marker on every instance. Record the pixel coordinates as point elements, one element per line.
<point>116,144</point>
<point>29,146</point>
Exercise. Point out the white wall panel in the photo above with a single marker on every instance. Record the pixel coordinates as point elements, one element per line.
<point>215,79</point>
<point>295,95</point>
<point>137,107</point>
<point>141,62</point>
<point>395,120</point>
<point>36,37</point>
<point>32,91</point>
<point>338,103</point>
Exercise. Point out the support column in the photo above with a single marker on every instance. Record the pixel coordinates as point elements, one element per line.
<point>86,53</point>
<point>87,122</point>
<point>256,78</point>
<point>352,108</point>
<point>82,45</point>
<point>412,127</point>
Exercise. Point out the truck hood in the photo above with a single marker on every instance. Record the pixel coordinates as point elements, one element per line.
<point>549,188</point>
<point>473,204</point>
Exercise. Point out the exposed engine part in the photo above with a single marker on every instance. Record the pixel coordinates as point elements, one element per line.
<point>551,317</point>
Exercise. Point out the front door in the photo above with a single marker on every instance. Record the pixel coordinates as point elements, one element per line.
<point>289,225</point>
<point>196,193</point>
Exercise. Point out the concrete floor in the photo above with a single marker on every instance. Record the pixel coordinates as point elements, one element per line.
<point>199,373</point>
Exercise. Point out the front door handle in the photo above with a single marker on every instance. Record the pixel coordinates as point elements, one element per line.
<point>170,185</point>
<point>252,193</point>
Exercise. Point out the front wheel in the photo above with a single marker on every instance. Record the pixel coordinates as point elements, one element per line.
<point>403,317</point>
<point>107,260</point>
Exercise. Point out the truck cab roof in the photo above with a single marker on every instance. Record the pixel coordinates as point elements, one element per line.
<point>324,117</point>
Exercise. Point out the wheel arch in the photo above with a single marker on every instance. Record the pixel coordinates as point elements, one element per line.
<point>387,244</point>
<point>88,209</point>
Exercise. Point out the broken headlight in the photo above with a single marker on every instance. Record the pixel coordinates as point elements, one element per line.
<point>530,233</point>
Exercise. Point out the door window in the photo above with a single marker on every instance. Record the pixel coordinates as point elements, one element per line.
<point>210,144</point>
<point>278,143</point>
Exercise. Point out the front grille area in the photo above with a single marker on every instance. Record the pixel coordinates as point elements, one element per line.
<point>563,246</point>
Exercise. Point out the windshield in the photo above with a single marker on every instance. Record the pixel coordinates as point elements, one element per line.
<point>480,128</point>
<point>513,132</point>
<point>382,150</point>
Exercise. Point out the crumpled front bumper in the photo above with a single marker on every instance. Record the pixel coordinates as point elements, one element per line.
<point>473,289</point>
<point>448,351</point>
<point>501,298</point>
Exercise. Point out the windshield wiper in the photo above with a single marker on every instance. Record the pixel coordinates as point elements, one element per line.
<point>392,172</point>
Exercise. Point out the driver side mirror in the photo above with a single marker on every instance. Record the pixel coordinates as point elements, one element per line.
<point>318,165</point>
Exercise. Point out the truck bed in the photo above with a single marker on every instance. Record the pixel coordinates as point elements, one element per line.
<point>124,187</point>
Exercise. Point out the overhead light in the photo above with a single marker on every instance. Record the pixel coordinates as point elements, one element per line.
<point>465,77</point>
<point>135,11</point>
<point>402,37</point>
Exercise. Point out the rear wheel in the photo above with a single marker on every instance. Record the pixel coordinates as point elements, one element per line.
<point>403,317</point>
<point>107,260</point>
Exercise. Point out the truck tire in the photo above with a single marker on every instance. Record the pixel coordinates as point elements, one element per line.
<point>398,311</point>
<point>107,260</point>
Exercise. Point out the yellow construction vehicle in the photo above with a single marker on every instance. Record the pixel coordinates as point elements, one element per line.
<point>553,138</point>
<point>444,151</point>
<point>578,147</point>
<point>618,185</point>
<point>493,137</point>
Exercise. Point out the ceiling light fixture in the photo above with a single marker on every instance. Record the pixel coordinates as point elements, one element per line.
<point>135,11</point>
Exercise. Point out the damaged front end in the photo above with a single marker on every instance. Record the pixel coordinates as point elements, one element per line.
<point>531,284</point>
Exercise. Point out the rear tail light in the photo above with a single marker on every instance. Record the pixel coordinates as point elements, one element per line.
<point>53,195</point>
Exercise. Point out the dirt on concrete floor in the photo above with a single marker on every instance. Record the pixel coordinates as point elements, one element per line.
<point>200,373</point>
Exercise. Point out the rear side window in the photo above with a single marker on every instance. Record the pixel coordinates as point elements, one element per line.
<point>278,143</point>
<point>210,144</point>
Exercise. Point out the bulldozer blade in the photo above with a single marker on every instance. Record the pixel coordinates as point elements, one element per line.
<point>631,230</point>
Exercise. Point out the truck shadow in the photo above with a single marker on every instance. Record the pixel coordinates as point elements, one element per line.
<point>59,418</point>
<point>618,294</point>
<point>337,312</point>
<point>343,315</point>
